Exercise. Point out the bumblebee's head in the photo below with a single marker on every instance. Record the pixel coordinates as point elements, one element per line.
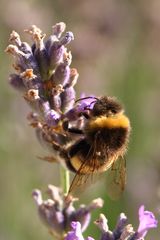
<point>107,106</point>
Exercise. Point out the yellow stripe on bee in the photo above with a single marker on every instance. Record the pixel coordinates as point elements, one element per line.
<point>117,121</point>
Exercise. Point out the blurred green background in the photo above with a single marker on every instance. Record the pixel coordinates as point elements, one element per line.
<point>117,52</point>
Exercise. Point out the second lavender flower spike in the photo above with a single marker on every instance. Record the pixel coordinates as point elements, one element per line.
<point>58,214</point>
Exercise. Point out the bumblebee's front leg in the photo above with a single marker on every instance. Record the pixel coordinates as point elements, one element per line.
<point>71,129</point>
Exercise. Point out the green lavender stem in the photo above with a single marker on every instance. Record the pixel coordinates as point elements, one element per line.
<point>64,179</point>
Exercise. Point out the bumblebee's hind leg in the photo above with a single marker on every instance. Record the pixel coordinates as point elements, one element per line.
<point>58,149</point>
<point>50,159</point>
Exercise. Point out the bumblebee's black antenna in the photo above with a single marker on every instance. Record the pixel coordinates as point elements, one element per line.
<point>80,99</point>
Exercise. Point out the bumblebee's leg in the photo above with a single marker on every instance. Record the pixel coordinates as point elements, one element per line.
<point>85,115</point>
<point>75,130</point>
<point>50,159</point>
<point>57,148</point>
<point>71,129</point>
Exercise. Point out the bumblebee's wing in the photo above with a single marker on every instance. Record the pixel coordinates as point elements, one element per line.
<point>89,170</point>
<point>116,178</point>
<point>89,164</point>
<point>114,181</point>
<point>82,181</point>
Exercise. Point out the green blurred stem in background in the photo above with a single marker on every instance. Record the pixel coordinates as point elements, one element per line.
<point>64,179</point>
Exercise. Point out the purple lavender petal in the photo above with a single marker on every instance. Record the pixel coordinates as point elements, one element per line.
<point>23,60</point>
<point>51,217</point>
<point>76,233</point>
<point>73,78</point>
<point>56,102</point>
<point>55,53</point>
<point>30,80</point>
<point>25,47</point>
<point>68,99</point>
<point>83,106</point>
<point>52,118</point>
<point>87,103</point>
<point>61,75</point>
<point>67,38</point>
<point>83,216</point>
<point>41,56</point>
<point>17,82</point>
<point>147,221</point>
<point>121,223</point>
<point>58,29</point>
<point>49,214</point>
<point>15,39</point>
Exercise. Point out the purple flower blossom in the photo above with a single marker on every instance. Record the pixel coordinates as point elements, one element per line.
<point>76,233</point>
<point>84,104</point>
<point>147,221</point>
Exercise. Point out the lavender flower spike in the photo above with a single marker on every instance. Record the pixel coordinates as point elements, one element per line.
<point>58,214</point>
<point>44,76</point>
<point>147,221</point>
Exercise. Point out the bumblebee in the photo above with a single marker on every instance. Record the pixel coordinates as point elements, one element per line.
<point>100,144</point>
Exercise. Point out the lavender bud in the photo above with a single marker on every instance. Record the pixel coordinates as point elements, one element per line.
<point>96,203</point>
<point>50,216</point>
<point>56,101</point>
<point>43,61</point>
<point>40,52</point>
<point>41,56</point>
<point>30,80</point>
<point>55,53</point>
<point>102,223</point>
<point>67,38</point>
<point>68,99</point>
<point>76,233</point>
<point>57,30</point>
<point>52,118</point>
<point>128,233</point>
<point>23,46</point>
<point>15,39</point>
<point>61,74</point>
<point>73,78</point>
<point>32,95</point>
<point>37,196</point>
<point>83,214</point>
<point>23,60</point>
<point>55,193</point>
<point>17,82</point>
<point>36,34</point>
<point>121,223</point>
<point>57,49</point>
<point>33,99</point>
